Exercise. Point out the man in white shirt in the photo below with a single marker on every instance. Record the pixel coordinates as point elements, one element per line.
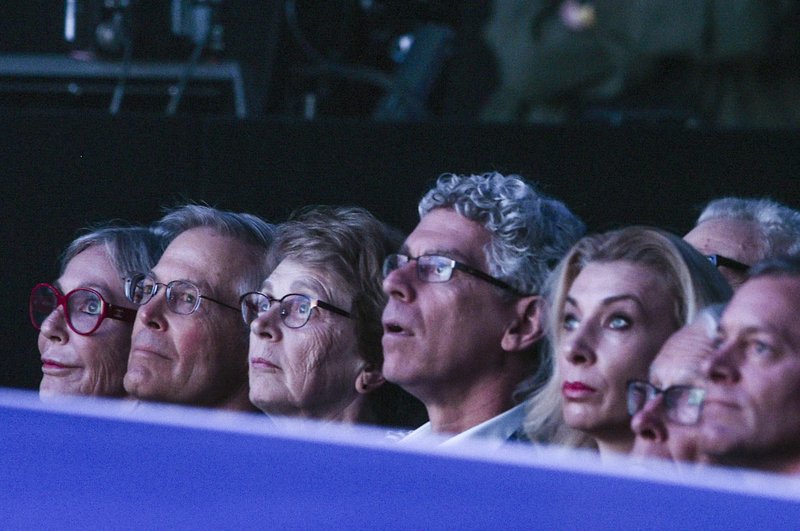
<point>463,322</point>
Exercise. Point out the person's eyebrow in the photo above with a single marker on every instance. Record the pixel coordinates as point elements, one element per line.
<point>310,287</point>
<point>623,297</point>
<point>609,300</point>
<point>453,254</point>
<point>266,286</point>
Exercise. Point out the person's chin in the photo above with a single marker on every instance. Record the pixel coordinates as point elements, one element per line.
<point>139,383</point>
<point>54,387</point>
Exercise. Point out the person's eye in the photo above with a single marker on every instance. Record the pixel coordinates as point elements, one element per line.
<point>188,297</point>
<point>760,349</point>
<point>91,307</point>
<point>619,322</point>
<point>303,308</point>
<point>570,322</point>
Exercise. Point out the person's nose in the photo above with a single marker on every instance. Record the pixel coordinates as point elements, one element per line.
<point>401,282</point>
<point>54,327</point>
<point>578,345</point>
<point>152,313</point>
<point>648,423</point>
<point>266,325</point>
<point>722,366</point>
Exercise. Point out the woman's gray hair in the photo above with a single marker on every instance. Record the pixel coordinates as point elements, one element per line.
<point>779,225</point>
<point>529,231</point>
<point>693,283</point>
<point>350,244</point>
<point>131,249</point>
<point>247,228</point>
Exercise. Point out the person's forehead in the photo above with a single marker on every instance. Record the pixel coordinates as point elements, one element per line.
<point>771,303</point>
<point>203,256</point>
<point>733,238</point>
<point>599,282</point>
<point>443,229</point>
<point>680,360</point>
<point>293,276</point>
<point>91,267</point>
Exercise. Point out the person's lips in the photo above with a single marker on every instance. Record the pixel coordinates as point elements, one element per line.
<point>577,390</point>
<point>395,328</point>
<point>263,364</point>
<point>53,366</point>
<point>147,351</point>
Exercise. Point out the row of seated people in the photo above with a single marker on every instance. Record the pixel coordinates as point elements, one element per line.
<point>496,319</point>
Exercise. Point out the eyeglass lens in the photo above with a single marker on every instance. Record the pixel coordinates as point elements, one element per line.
<point>295,309</point>
<point>83,307</point>
<point>430,268</point>
<point>682,404</point>
<point>182,297</point>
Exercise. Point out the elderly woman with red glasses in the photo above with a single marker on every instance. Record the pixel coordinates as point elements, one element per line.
<point>315,324</point>
<point>83,318</point>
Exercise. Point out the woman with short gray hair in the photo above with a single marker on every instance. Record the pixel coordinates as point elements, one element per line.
<point>83,318</point>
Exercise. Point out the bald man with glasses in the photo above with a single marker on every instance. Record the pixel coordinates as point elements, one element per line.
<point>462,325</point>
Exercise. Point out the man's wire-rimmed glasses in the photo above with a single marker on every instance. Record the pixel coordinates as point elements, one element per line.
<point>682,403</point>
<point>436,268</point>
<point>183,297</point>
<point>84,308</point>
<point>294,308</point>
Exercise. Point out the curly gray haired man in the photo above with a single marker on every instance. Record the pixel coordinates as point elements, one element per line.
<point>463,320</point>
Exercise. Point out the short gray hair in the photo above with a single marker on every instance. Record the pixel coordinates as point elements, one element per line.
<point>529,231</point>
<point>131,249</point>
<point>247,228</point>
<point>779,225</point>
<point>351,244</point>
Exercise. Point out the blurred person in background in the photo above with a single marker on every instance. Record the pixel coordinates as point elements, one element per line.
<point>735,233</point>
<point>666,408</point>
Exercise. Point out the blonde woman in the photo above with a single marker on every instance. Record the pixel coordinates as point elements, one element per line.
<point>614,299</point>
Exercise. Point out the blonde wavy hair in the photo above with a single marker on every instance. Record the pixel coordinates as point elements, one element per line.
<point>693,283</point>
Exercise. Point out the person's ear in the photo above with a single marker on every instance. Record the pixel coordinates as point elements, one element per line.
<point>369,379</point>
<point>527,327</point>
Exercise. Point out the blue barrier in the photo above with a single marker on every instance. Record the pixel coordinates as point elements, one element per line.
<point>112,464</point>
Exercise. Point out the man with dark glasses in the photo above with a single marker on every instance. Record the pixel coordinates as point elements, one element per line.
<point>189,344</point>
<point>462,325</point>
<point>735,233</point>
<point>666,409</point>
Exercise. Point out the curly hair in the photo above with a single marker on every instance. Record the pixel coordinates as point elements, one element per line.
<point>529,231</point>
<point>693,284</point>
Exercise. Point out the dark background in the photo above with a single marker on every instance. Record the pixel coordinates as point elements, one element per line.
<point>64,171</point>
<point>65,168</point>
